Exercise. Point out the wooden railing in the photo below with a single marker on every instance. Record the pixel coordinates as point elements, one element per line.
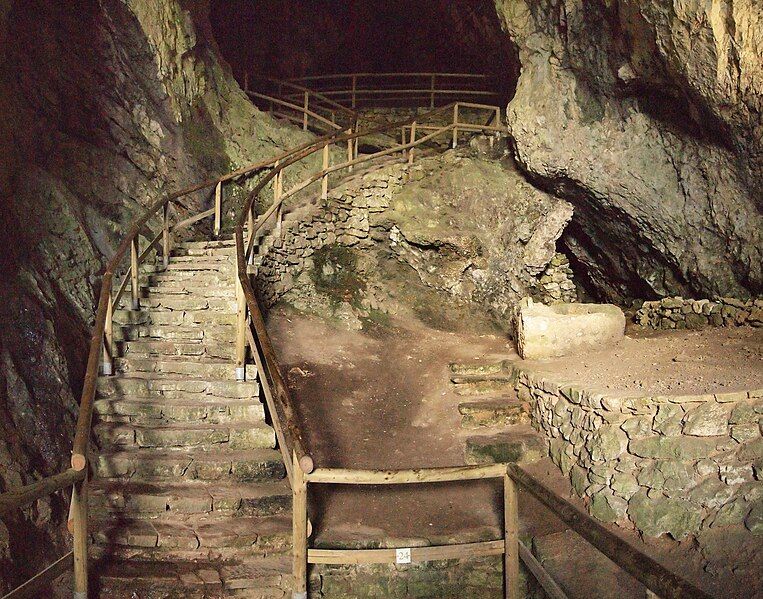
<point>252,338</point>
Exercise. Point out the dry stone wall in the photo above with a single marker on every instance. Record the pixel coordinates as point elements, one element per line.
<point>680,313</point>
<point>670,464</point>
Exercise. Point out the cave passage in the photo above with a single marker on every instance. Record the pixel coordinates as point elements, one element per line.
<point>286,39</point>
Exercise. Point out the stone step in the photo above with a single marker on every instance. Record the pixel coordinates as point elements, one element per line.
<point>150,464</point>
<point>228,250</point>
<point>239,435</point>
<point>134,332</point>
<point>207,244</point>
<point>502,411</point>
<point>155,348</point>
<point>195,389</point>
<point>520,444</point>
<point>174,317</point>
<point>152,411</point>
<point>168,500</point>
<point>199,265</point>
<point>479,368</point>
<point>242,536</point>
<point>173,302</point>
<point>184,287</point>
<point>210,256</point>
<point>262,577</point>
<point>483,384</point>
<point>205,368</point>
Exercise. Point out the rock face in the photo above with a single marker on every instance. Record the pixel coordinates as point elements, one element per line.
<point>104,108</point>
<point>648,118</point>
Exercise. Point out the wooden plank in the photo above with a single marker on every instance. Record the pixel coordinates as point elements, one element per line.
<point>418,554</point>
<point>403,477</point>
<point>635,562</point>
<point>299,532</point>
<point>16,498</point>
<point>541,575</point>
<point>218,208</point>
<point>32,587</point>
<point>78,511</point>
<point>134,274</point>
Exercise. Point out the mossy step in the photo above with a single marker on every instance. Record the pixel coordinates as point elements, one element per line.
<point>252,535</point>
<point>207,244</point>
<point>479,368</point>
<point>199,318</point>
<point>519,445</point>
<point>205,368</point>
<point>135,499</point>
<point>228,250</point>
<point>156,385</point>
<point>192,302</point>
<point>200,265</point>
<point>239,435</point>
<point>221,465</point>
<point>135,332</point>
<point>153,348</point>
<point>503,411</point>
<point>184,288</point>
<point>484,384</point>
<point>153,411</point>
<point>201,279</point>
<point>210,257</point>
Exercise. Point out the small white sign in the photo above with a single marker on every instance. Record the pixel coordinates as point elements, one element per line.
<point>403,556</point>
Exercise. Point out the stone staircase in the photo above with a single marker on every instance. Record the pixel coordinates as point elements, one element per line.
<point>189,497</point>
<point>495,420</point>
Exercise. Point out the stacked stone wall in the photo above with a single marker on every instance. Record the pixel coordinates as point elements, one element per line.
<point>670,464</point>
<point>680,313</point>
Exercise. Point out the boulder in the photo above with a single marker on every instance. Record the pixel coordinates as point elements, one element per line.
<point>562,329</point>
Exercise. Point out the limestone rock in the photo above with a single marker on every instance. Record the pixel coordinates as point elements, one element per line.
<point>655,516</point>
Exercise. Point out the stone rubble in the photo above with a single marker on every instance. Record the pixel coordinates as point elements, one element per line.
<point>681,313</point>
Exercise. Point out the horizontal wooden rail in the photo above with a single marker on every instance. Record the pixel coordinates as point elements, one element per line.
<point>297,108</point>
<point>643,568</point>
<point>404,477</point>
<point>16,498</point>
<point>32,587</point>
<point>418,554</point>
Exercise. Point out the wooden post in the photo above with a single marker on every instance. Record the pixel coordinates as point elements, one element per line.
<point>108,339</point>
<point>166,237</point>
<point>299,530</point>
<point>246,81</point>
<point>350,150</point>
<point>413,139</point>
<point>510,539</point>
<point>354,86</point>
<point>240,332</point>
<point>431,100</point>
<point>304,114</point>
<point>218,207</point>
<point>79,531</point>
<point>497,116</point>
<point>325,178</point>
<point>455,124</point>
<point>134,275</point>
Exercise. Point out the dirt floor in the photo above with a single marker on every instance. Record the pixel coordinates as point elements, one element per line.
<point>668,363</point>
<point>382,399</point>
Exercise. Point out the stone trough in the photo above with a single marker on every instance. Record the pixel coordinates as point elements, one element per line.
<point>562,329</point>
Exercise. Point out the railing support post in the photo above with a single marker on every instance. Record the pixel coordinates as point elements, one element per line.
<point>497,116</point>
<point>108,339</point>
<point>240,332</point>
<point>413,139</point>
<point>166,236</point>
<point>354,86</point>
<point>134,274</point>
<point>325,178</point>
<point>510,539</point>
<point>79,532</point>
<point>350,150</point>
<point>299,530</point>
<point>304,114</point>
<point>218,207</point>
<point>246,81</point>
<point>431,99</point>
<point>455,124</point>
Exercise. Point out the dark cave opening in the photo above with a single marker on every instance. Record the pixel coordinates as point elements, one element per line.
<point>286,38</point>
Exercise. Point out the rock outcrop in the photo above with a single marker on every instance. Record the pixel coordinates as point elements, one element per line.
<point>104,108</point>
<point>648,118</point>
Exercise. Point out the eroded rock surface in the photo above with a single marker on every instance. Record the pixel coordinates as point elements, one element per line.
<point>647,117</point>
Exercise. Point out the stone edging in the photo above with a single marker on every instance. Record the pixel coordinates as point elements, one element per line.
<point>680,313</point>
<point>664,464</point>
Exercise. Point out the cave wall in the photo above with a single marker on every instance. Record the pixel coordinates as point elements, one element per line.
<point>647,117</point>
<point>106,106</point>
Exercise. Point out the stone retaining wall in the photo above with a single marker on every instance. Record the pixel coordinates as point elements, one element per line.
<point>680,313</point>
<point>671,464</point>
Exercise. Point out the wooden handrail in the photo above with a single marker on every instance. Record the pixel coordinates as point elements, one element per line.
<point>16,498</point>
<point>643,568</point>
<point>32,587</point>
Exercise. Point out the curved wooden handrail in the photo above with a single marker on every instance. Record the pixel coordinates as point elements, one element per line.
<point>16,498</point>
